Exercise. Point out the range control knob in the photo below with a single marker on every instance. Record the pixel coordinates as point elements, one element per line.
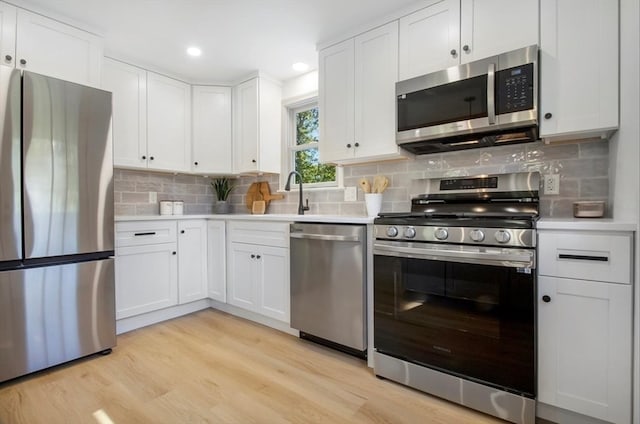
<point>441,233</point>
<point>392,231</point>
<point>409,232</point>
<point>476,235</point>
<point>502,236</point>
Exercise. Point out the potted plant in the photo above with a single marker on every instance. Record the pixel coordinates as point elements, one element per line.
<point>223,188</point>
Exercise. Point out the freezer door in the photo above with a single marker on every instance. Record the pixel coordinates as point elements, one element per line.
<point>68,168</point>
<point>50,315</point>
<point>10,178</point>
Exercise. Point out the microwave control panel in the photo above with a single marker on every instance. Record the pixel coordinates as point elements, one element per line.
<point>514,89</point>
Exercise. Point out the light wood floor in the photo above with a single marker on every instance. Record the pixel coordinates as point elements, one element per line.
<point>213,367</point>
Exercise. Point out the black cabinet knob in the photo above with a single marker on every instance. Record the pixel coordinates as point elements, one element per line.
<point>465,48</point>
<point>257,256</point>
<point>8,58</point>
<point>181,231</point>
<point>546,299</point>
<point>195,163</point>
<point>144,157</point>
<point>150,157</point>
<point>348,145</point>
<point>453,52</point>
<point>357,144</point>
<point>174,253</point>
<point>23,62</point>
<point>253,161</point>
<point>253,256</point>
<point>548,115</point>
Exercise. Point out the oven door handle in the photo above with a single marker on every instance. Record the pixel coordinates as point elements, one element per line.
<point>513,259</point>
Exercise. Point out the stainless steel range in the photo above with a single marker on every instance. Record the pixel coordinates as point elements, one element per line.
<point>454,293</point>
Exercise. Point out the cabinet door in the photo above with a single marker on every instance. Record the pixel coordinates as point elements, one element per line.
<point>216,264</point>
<point>242,290</point>
<point>146,278</point>
<point>273,282</point>
<point>490,27</point>
<point>168,123</point>
<point>336,102</point>
<point>578,87</point>
<point>376,72</point>
<point>129,125</point>
<point>211,143</point>
<point>584,347</point>
<point>51,48</point>
<point>192,260</point>
<point>430,39</point>
<point>245,126</point>
<point>7,34</point>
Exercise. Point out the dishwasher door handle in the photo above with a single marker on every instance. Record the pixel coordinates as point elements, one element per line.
<point>324,237</point>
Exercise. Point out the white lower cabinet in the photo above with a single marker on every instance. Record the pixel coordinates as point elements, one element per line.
<point>216,260</point>
<point>192,260</point>
<point>584,327</point>
<point>146,278</point>
<point>258,274</point>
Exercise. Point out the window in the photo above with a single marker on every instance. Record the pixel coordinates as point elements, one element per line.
<point>302,151</point>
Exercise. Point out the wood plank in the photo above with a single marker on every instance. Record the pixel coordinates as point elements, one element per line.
<point>213,367</point>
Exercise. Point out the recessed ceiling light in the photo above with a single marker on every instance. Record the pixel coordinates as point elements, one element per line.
<point>194,51</point>
<point>300,67</point>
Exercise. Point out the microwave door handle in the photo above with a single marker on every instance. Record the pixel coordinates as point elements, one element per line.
<point>491,101</point>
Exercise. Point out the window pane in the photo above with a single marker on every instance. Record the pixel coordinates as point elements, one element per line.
<point>312,171</point>
<point>306,126</point>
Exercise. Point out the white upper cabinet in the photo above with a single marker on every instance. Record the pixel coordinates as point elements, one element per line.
<point>579,58</point>
<point>168,123</point>
<point>129,125</point>
<point>451,32</point>
<point>211,147</point>
<point>7,34</point>
<point>257,126</point>
<point>357,98</point>
<point>51,48</point>
<point>428,37</point>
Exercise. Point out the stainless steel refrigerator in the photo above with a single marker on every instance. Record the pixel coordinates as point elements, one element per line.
<point>57,290</point>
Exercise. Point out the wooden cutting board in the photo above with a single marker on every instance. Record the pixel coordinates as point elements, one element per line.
<point>260,190</point>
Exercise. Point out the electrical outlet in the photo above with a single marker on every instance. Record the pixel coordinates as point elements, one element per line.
<point>153,197</point>
<point>350,194</point>
<point>552,184</point>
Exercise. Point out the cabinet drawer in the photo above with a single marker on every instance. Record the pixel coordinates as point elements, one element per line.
<point>137,233</point>
<point>263,233</point>
<point>586,255</point>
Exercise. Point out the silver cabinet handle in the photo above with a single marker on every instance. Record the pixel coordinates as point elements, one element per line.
<point>324,237</point>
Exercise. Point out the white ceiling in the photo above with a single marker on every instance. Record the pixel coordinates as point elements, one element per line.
<point>237,37</point>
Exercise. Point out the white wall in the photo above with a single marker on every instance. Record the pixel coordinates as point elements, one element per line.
<point>625,156</point>
<point>301,86</point>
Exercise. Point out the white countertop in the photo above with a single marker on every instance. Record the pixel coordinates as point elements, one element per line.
<point>333,219</point>
<point>586,224</point>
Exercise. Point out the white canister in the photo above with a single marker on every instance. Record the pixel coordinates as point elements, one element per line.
<point>166,207</point>
<point>178,207</point>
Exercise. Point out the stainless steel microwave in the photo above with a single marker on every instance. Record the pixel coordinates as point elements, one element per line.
<point>493,101</point>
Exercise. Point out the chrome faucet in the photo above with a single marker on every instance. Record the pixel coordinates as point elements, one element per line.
<point>287,187</point>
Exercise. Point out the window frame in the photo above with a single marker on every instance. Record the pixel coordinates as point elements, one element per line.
<point>290,147</point>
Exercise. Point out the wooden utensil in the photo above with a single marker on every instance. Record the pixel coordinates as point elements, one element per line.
<point>265,191</point>
<point>364,185</point>
<point>383,185</point>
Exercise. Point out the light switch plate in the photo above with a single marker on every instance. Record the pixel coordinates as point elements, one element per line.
<point>153,197</point>
<point>350,194</point>
<point>552,184</point>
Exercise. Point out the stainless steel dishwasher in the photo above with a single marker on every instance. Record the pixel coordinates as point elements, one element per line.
<point>328,284</point>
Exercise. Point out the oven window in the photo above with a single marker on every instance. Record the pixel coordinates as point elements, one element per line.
<point>475,321</point>
<point>453,102</point>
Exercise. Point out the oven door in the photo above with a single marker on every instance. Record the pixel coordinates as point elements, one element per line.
<point>467,311</point>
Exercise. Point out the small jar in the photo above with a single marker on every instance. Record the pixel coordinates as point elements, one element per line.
<point>166,207</point>
<point>178,207</point>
